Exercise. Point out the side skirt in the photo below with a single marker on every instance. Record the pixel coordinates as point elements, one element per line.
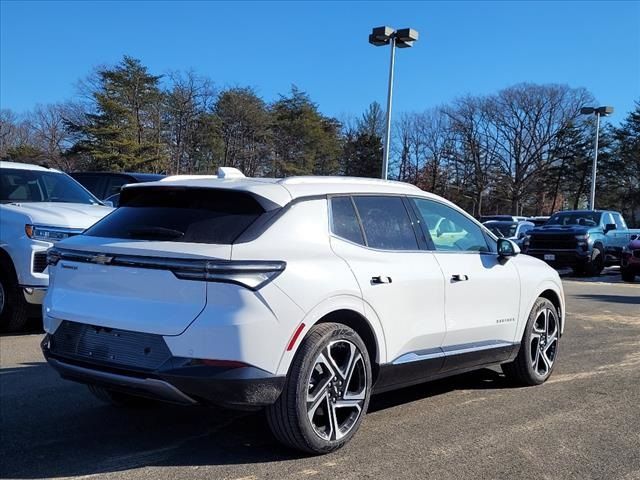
<point>431,365</point>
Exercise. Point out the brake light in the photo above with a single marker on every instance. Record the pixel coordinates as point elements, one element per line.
<point>250,274</point>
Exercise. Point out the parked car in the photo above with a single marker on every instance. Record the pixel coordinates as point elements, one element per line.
<point>300,295</point>
<point>539,221</point>
<point>630,261</point>
<point>586,240</point>
<point>106,185</point>
<point>516,231</point>
<point>38,207</point>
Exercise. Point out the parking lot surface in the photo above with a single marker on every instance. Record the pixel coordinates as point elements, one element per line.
<point>584,423</point>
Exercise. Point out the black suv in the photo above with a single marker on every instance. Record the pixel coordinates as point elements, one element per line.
<point>106,184</point>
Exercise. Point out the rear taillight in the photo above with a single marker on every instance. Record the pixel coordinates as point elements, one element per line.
<point>250,274</point>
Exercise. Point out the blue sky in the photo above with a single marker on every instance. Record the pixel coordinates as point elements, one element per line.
<point>465,47</point>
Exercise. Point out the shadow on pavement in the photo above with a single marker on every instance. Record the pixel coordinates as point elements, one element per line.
<point>50,427</point>
<point>627,299</point>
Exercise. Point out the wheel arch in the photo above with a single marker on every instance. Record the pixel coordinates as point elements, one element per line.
<point>348,310</point>
<point>357,322</point>
<point>554,297</point>
<point>6,262</point>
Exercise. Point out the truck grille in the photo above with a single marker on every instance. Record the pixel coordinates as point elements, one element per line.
<point>39,262</point>
<point>142,351</point>
<point>553,242</point>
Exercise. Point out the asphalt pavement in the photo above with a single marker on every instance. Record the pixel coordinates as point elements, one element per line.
<point>584,423</point>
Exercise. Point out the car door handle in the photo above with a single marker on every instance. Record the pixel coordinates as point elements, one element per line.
<point>381,279</point>
<point>458,277</point>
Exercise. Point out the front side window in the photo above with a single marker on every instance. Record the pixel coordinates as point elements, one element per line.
<point>193,215</point>
<point>29,186</point>
<point>344,221</point>
<point>450,230</point>
<point>620,225</point>
<point>386,223</point>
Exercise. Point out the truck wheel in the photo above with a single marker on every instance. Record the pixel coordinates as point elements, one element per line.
<point>627,274</point>
<point>119,399</point>
<point>539,347</point>
<point>326,393</point>
<point>13,306</point>
<point>596,263</point>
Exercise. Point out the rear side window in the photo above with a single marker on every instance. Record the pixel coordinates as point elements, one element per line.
<point>194,215</point>
<point>386,223</point>
<point>344,221</point>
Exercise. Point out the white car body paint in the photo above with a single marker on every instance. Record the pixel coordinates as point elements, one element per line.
<point>419,313</point>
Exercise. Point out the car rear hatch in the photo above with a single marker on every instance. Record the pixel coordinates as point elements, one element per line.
<point>143,267</point>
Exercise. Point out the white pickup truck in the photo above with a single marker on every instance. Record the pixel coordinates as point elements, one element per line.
<point>38,207</point>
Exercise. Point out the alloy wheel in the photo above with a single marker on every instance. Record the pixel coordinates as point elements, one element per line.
<point>544,341</point>
<point>336,390</point>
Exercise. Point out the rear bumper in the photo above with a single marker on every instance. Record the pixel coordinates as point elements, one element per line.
<point>563,258</point>
<point>179,381</point>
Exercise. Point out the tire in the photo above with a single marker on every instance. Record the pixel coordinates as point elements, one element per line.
<point>580,270</point>
<point>596,263</point>
<point>119,399</point>
<point>539,348</point>
<point>13,306</point>
<point>627,274</point>
<point>330,353</point>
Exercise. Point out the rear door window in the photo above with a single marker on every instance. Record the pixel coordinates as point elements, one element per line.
<point>344,220</point>
<point>194,215</point>
<point>386,223</point>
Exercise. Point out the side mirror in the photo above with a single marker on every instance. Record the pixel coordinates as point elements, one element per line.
<point>609,226</point>
<point>507,248</point>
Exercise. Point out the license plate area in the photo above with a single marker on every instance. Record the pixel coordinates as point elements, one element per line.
<point>549,257</point>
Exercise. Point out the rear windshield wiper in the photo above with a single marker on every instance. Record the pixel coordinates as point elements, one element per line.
<point>155,233</point>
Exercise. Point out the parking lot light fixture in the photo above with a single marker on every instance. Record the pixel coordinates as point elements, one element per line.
<point>403,38</point>
<point>598,112</point>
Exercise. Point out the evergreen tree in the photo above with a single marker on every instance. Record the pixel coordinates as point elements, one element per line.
<point>124,132</point>
<point>305,141</point>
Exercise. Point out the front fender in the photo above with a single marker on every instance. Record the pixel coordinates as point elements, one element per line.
<point>545,285</point>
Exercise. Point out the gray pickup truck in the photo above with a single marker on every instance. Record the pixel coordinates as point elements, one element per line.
<point>585,240</point>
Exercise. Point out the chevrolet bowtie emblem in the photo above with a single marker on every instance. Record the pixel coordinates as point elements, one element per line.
<point>102,259</point>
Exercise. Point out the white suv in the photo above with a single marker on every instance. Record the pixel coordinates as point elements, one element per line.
<point>38,207</point>
<point>302,295</point>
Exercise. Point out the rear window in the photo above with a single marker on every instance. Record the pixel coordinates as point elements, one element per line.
<point>193,215</point>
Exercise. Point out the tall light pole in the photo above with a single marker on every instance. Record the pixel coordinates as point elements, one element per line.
<point>598,112</point>
<point>402,38</point>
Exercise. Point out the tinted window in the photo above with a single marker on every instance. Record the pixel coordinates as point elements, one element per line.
<point>587,219</point>
<point>41,186</point>
<point>115,184</point>
<point>451,230</point>
<point>93,183</point>
<point>386,223</point>
<point>192,215</point>
<point>344,221</point>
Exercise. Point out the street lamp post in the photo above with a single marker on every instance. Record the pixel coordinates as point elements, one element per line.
<point>598,112</point>
<point>402,38</point>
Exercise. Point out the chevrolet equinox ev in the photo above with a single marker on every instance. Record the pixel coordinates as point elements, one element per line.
<point>302,296</point>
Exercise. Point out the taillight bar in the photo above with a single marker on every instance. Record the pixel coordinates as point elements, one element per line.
<point>252,274</point>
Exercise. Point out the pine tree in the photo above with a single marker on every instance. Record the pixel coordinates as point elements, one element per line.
<point>125,130</point>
